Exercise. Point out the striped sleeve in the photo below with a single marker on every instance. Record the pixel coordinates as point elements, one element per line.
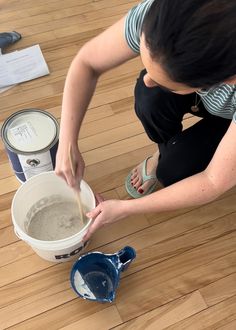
<point>133,24</point>
<point>220,101</point>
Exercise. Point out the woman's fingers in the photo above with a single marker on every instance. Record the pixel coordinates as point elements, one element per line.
<point>105,213</point>
<point>64,165</point>
<point>99,198</point>
<point>94,215</point>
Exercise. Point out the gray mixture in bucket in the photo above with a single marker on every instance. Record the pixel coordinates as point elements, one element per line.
<point>53,218</point>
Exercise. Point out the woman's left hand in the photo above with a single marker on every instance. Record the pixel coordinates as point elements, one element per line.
<point>105,213</point>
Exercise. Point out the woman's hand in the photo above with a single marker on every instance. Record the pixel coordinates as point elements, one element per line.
<point>105,213</point>
<point>63,166</point>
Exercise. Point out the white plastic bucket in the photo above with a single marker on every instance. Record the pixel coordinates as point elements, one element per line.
<point>40,187</point>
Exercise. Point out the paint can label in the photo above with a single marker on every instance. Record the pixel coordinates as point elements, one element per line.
<point>23,134</point>
<point>35,164</point>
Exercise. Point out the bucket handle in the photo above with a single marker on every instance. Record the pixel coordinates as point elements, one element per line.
<point>18,235</point>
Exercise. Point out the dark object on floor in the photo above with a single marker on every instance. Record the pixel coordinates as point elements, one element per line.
<point>9,38</point>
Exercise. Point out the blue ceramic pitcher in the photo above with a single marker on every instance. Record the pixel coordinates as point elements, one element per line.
<point>95,276</point>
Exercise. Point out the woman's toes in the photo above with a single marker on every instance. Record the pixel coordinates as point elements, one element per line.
<point>144,187</point>
<point>138,183</point>
<point>134,174</point>
<point>133,177</point>
<point>135,181</point>
<point>141,189</point>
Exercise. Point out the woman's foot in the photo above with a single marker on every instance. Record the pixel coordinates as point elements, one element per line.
<point>137,175</point>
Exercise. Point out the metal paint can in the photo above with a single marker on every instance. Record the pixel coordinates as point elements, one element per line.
<point>31,138</point>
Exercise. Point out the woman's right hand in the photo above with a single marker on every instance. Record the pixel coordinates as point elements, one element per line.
<point>63,166</point>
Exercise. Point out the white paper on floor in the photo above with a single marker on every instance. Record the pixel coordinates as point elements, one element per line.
<point>22,65</point>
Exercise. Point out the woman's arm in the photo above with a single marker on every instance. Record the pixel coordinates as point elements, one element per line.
<point>218,177</point>
<point>106,51</point>
<point>201,188</point>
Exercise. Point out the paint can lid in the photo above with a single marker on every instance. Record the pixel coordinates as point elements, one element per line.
<point>30,130</point>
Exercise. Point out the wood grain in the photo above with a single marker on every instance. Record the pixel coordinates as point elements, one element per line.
<point>184,275</point>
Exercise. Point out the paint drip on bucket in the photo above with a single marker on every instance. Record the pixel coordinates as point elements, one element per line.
<point>30,137</point>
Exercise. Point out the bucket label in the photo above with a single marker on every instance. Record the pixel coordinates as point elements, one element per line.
<point>36,163</point>
<point>24,133</point>
<point>72,253</point>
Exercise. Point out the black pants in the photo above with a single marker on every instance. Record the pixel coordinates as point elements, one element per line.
<point>182,153</point>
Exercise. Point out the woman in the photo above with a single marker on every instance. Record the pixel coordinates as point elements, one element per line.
<point>188,49</point>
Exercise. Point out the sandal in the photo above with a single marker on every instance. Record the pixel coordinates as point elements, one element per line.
<point>9,38</point>
<point>130,188</point>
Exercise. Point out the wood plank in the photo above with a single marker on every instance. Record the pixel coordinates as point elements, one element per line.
<point>62,316</point>
<point>9,184</point>
<point>24,18</point>
<point>35,296</point>
<point>175,277</point>
<point>13,252</point>
<point>220,290</point>
<point>7,236</point>
<point>106,124</point>
<point>156,244</point>
<point>228,326</point>
<point>212,210</point>
<point>168,314</point>
<point>5,170</point>
<point>6,201</point>
<point>5,217</point>
<point>83,18</point>
<point>22,268</point>
<point>111,173</point>
<point>115,149</point>
<point>8,6</point>
<point>211,318</point>
<point>55,90</point>
<point>104,319</point>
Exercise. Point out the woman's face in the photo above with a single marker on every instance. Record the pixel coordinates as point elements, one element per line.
<point>156,76</point>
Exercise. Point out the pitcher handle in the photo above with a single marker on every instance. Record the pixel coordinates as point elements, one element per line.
<point>126,256</point>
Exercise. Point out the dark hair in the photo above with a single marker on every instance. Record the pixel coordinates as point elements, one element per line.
<point>193,40</point>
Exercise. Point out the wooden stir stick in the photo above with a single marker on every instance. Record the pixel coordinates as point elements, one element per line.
<point>77,192</point>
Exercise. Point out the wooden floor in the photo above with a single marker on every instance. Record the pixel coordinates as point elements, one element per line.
<point>184,276</point>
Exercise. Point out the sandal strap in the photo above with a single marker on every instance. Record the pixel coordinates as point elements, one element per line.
<point>146,177</point>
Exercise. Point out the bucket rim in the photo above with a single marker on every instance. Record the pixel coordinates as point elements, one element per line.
<point>51,244</point>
